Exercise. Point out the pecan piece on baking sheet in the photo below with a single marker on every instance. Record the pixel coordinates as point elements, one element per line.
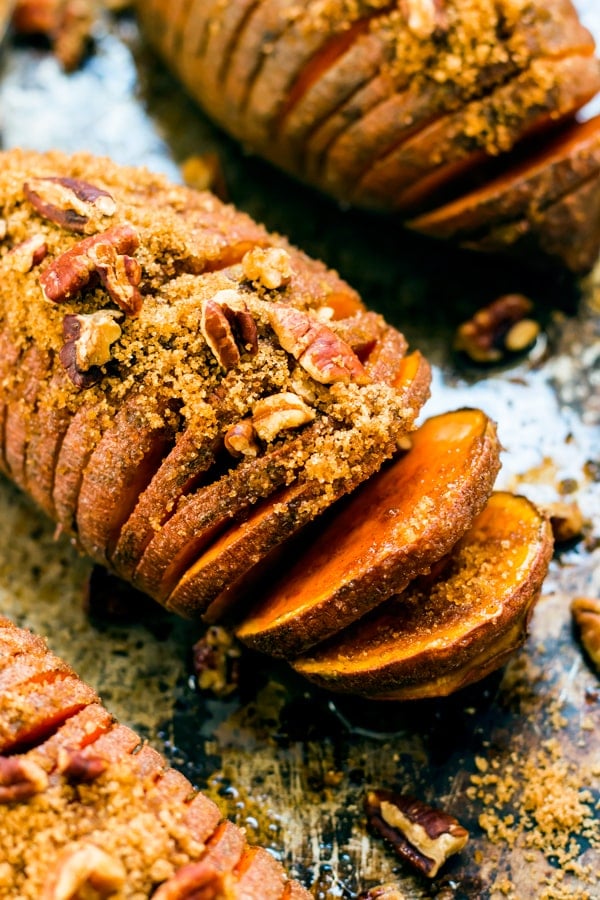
<point>423,835</point>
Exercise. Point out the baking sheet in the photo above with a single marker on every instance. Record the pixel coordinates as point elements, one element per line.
<point>288,762</point>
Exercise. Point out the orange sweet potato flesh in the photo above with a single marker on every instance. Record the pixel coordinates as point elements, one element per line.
<point>445,632</point>
<point>402,522</point>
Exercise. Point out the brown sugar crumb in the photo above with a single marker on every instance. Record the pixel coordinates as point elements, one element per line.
<point>113,813</point>
<point>543,804</point>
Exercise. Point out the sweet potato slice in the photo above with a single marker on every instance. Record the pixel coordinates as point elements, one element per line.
<point>45,435</point>
<point>445,632</point>
<point>529,185</point>
<point>242,546</point>
<point>396,526</point>
<point>34,710</point>
<point>568,230</point>
<point>259,874</point>
<point>119,469</point>
<point>81,729</point>
<point>83,433</point>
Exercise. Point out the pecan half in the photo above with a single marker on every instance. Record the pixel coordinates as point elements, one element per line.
<point>586,615</point>
<point>80,864</point>
<point>80,767</point>
<point>88,341</point>
<point>104,255</point>
<point>29,253</point>
<point>69,202</point>
<point>227,325</point>
<point>502,326</point>
<point>279,412</point>
<point>320,352</point>
<point>20,779</point>
<point>424,836</point>
<point>269,266</point>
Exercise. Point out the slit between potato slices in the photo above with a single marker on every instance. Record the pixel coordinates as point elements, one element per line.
<point>321,62</point>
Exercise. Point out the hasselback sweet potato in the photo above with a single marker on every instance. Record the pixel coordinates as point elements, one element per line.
<point>185,394</point>
<point>86,806</point>
<point>394,107</point>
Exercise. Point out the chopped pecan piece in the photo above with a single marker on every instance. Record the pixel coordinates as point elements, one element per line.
<point>320,352</point>
<point>501,327</point>
<point>88,341</point>
<point>240,439</point>
<point>216,661</point>
<point>20,779</point>
<point>586,615</point>
<point>80,767</point>
<point>83,863</point>
<point>104,255</point>
<point>424,836</point>
<point>278,413</point>
<point>28,254</point>
<point>69,202</point>
<point>269,266</point>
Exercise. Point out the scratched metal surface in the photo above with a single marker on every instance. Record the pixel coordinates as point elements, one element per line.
<point>288,762</point>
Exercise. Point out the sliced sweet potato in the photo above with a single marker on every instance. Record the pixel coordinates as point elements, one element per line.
<point>217,576</point>
<point>412,172</point>
<point>242,546</point>
<point>259,874</point>
<point>448,631</point>
<point>398,525</point>
<point>135,814</point>
<point>557,167</point>
<point>76,733</point>
<point>45,435</point>
<point>568,230</point>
